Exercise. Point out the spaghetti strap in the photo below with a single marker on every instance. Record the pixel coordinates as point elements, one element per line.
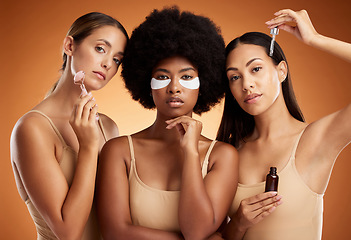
<point>52,125</point>
<point>205,163</point>
<point>131,148</point>
<point>102,129</point>
<point>293,152</point>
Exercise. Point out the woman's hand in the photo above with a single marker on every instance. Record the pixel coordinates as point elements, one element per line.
<point>250,212</point>
<point>302,28</point>
<point>83,121</point>
<point>189,130</point>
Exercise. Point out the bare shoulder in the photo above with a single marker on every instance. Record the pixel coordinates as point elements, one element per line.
<point>116,144</point>
<point>32,127</point>
<point>224,148</point>
<point>33,140</point>
<point>110,126</point>
<point>224,153</point>
<point>115,149</point>
<point>319,135</point>
<point>332,128</point>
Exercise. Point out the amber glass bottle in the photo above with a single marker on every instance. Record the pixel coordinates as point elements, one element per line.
<point>272,180</point>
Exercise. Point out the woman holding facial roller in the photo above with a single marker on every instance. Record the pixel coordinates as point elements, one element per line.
<point>55,146</point>
<point>263,121</point>
<point>168,181</point>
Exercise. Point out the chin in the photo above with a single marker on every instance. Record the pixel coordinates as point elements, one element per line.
<point>253,111</point>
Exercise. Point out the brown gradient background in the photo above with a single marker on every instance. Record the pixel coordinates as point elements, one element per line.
<point>31,38</point>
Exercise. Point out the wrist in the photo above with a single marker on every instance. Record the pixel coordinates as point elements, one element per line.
<point>191,153</point>
<point>91,148</point>
<point>315,41</point>
<point>238,226</point>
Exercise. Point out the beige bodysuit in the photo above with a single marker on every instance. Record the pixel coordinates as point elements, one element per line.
<point>154,208</point>
<point>298,218</point>
<point>67,163</point>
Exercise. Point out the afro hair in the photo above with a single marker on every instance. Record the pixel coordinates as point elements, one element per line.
<point>168,33</point>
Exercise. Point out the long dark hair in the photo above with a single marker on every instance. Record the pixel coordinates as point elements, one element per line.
<point>236,124</point>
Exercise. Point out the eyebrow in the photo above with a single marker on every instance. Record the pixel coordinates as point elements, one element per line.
<point>162,70</point>
<point>182,70</point>
<point>109,45</point>
<point>187,69</point>
<point>247,64</point>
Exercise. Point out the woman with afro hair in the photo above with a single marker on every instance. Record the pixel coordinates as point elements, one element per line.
<point>168,181</point>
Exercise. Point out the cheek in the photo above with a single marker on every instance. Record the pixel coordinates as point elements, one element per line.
<point>274,85</point>
<point>194,94</point>
<point>156,96</point>
<point>114,70</point>
<point>235,90</point>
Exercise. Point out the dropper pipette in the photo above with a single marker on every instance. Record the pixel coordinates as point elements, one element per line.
<point>274,32</point>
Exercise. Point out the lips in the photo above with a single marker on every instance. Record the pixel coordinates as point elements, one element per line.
<point>100,75</point>
<point>252,98</point>
<point>175,102</point>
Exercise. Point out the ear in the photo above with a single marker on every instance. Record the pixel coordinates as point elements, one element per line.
<point>68,45</point>
<point>282,71</point>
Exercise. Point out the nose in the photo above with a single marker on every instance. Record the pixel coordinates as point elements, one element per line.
<point>106,63</point>
<point>174,86</point>
<point>248,84</point>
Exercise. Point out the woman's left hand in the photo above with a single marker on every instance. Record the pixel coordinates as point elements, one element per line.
<point>303,29</point>
<point>189,130</point>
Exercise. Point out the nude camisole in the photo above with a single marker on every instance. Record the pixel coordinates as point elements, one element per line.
<point>154,208</point>
<point>299,217</point>
<point>68,164</point>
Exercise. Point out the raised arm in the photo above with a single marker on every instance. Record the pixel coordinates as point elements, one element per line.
<point>304,30</point>
<point>325,138</point>
<point>204,203</point>
<point>35,154</point>
<point>112,197</point>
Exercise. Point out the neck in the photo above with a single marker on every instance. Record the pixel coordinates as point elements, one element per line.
<point>65,95</point>
<point>274,122</point>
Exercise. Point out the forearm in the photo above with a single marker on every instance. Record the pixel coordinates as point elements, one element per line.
<point>216,236</point>
<point>233,230</point>
<point>333,46</point>
<point>196,215</point>
<point>77,205</point>
<point>130,231</point>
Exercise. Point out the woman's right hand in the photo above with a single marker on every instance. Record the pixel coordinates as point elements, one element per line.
<point>83,121</point>
<point>302,27</point>
<point>253,210</point>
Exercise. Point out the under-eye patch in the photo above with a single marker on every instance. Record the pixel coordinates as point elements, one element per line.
<point>190,84</point>
<point>158,84</point>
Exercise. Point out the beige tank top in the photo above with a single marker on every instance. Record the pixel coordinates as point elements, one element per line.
<point>154,208</point>
<point>68,164</point>
<point>298,218</point>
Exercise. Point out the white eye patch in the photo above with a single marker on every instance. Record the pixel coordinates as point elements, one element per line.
<point>190,84</point>
<point>158,84</point>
